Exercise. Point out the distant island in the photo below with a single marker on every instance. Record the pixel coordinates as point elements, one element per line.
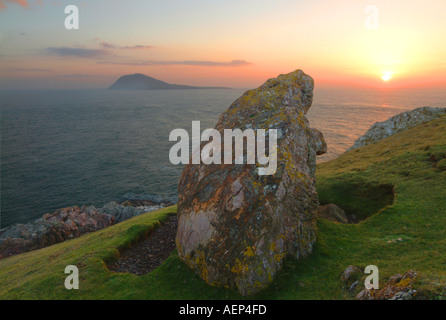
<point>140,81</point>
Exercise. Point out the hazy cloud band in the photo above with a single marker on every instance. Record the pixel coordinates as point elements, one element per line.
<point>233,63</point>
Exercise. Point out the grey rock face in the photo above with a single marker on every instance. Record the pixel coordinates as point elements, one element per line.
<point>398,123</point>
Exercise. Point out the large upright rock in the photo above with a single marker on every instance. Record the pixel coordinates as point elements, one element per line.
<point>236,227</point>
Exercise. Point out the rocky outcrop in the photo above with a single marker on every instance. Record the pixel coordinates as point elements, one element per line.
<point>332,212</point>
<point>399,287</point>
<point>236,227</point>
<point>125,211</point>
<point>398,123</point>
<point>52,228</point>
<point>70,222</point>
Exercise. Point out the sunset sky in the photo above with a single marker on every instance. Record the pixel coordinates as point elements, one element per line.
<point>223,43</point>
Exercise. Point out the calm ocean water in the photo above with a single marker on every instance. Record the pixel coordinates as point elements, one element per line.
<point>63,148</point>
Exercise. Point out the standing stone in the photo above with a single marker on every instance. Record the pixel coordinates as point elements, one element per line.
<point>236,227</point>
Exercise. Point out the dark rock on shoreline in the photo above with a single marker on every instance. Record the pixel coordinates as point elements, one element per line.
<point>122,212</point>
<point>52,228</point>
<point>70,222</point>
<point>146,203</point>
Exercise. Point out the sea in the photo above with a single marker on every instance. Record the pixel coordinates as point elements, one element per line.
<point>63,148</point>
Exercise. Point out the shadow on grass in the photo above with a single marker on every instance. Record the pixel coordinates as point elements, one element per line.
<point>359,199</point>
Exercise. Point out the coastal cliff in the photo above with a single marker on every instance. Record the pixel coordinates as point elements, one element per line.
<point>398,123</point>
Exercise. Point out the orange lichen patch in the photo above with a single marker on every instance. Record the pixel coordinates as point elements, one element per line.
<point>239,267</point>
<point>249,252</point>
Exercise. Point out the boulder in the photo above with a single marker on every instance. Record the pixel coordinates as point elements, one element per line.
<point>332,212</point>
<point>398,123</point>
<point>235,226</point>
<point>350,275</point>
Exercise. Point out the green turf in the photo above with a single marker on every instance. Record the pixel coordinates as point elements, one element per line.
<point>397,185</point>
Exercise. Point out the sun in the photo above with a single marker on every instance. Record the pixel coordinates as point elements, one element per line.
<point>387,76</point>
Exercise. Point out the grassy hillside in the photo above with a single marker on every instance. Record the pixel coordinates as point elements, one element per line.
<point>397,185</point>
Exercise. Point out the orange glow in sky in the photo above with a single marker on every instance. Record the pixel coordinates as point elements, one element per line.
<point>231,43</point>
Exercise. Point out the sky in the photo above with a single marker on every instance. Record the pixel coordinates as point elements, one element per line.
<point>234,43</point>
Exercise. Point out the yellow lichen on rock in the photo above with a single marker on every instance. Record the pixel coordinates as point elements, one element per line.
<point>256,221</point>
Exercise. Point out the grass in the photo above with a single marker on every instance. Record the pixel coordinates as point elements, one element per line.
<point>397,185</point>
